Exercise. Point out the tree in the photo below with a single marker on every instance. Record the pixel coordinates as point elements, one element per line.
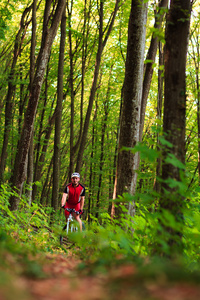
<point>132,96</point>
<point>159,114</point>
<point>150,59</point>
<point>174,120</point>
<point>103,38</point>
<point>11,88</point>
<point>194,39</point>
<point>58,113</point>
<point>30,166</point>
<point>49,32</point>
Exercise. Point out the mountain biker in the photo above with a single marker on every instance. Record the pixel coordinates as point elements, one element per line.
<point>74,197</point>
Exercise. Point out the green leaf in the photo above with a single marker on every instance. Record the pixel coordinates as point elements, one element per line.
<point>164,142</point>
<point>146,153</point>
<point>171,159</point>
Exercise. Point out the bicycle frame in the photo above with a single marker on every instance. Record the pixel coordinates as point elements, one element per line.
<point>69,227</point>
<point>70,220</point>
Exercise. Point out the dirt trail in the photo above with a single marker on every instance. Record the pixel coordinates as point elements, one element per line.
<point>62,281</point>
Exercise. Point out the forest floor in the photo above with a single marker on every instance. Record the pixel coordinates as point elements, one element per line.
<point>63,276</point>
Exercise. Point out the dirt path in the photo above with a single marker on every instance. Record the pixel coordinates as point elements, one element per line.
<point>61,280</point>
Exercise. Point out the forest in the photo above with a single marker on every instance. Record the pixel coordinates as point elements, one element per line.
<point>109,89</point>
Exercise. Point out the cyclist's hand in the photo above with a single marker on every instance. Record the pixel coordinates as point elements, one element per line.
<point>63,206</point>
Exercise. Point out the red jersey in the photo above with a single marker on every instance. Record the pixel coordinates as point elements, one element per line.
<point>74,193</point>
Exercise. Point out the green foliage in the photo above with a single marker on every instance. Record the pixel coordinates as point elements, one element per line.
<point>29,225</point>
<point>104,242</point>
<point>27,232</point>
<point>103,245</point>
<point>149,154</point>
<point>171,159</point>
<point>36,228</point>
<point>6,11</point>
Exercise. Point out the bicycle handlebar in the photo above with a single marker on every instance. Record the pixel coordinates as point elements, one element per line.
<point>71,210</point>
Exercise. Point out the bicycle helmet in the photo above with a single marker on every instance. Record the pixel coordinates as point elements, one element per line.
<point>75,175</point>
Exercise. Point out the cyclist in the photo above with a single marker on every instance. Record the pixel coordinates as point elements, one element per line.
<point>74,197</point>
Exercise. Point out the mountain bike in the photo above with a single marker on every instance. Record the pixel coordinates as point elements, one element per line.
<point>70,226</point>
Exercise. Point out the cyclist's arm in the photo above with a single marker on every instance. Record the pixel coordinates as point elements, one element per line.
<point>82,202</point>
<point>64,198</point>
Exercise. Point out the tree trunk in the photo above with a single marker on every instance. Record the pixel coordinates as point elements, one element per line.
<point>46,186</point>
<point>111,208</point>
<point>11,88</point>
<point>157,186</point>
<point>101,45</point>
<point>151,55</point>
<point>132,95</point>
<point>71,84</point>
<point>58,118</point>
<point>30,168</point>
<point>177,33</point>
<point>37,165</point>
<point>104,125</point>
<point>24,142</point>
<point>92,175</point>
<point>41,158</point>
<point>196,59</point>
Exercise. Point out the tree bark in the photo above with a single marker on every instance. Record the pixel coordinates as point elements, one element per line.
<point>74,145</point>
<point>71,84</point>
<point>132,96</point>
<point>41,159</point>
<point>38,155</point>
<point>24,142</point>
<point>151,55</point>
<point>157,185</point>
<point>30,167</point>
<point>177,33</point>
<point>103,132</point>
<point>92,175</point>
<point>11,88</point>
<point>101,45</point>
<point>58,118</point>
<point>196,59</point>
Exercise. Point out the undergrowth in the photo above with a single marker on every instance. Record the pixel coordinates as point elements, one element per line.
<point>33,231</point>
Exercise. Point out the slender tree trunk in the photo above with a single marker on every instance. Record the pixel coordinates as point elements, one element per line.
<point>47,183</point>
<point>83,67</point>
<point>58,118</point>
<point>24,142</point>
<point>111,208</point>
<point>101,45</point>
<point>91,178</point>
<point>93,90</point>
<point>157,186</point>
<point>132,96</point>
<point>41,158</point>
<point>74,145</point>
<point>38,155</point>
<point>71,83</point>
<point>104,125</point>
<point>11,88</point>
<point>30,168</point>
<point>151,55</point>
<point>198,119</point>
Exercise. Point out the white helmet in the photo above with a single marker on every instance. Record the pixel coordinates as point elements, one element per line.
<point>75,175</point>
